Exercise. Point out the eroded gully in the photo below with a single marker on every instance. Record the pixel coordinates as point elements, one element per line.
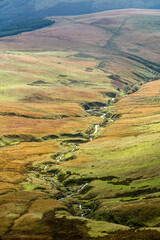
<point>55,182</point>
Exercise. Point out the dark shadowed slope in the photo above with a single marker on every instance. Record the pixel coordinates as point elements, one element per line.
<point>15,13</point>
<point>14,10</point>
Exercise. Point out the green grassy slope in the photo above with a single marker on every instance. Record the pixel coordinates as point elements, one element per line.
<point>52,188</point>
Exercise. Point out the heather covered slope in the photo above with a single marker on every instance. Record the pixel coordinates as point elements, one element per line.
<point>16,10</point>
<point>136,32</point>
<point>79,129</point>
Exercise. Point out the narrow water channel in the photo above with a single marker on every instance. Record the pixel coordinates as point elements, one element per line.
<point>101,112</point>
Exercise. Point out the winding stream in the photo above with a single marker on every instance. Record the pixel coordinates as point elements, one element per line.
<point>59,159</point>
<point>86,211</point>
<point>96,130</point>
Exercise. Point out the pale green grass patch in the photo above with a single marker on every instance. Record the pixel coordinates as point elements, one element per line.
<point>83,58</point>
<point>37,53</point>
<point>100,228</point>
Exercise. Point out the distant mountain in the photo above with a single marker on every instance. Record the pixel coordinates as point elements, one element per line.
<point>14,10</point>
<point>18,16</point>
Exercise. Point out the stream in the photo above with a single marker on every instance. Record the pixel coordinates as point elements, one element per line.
<point>101,113</point>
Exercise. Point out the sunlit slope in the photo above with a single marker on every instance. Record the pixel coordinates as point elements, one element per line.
<point>122,164</point>
<point>42,96</point>
<point>41,118</point>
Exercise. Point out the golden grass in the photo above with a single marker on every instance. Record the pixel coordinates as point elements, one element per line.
<point>39,127</point>
<point>139,123</point>
<point>77,162</point>
<point>135,111</point>
<point>26,151</point>
<point>42,93</point>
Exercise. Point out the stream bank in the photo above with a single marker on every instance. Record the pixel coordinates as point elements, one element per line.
<point>54,181</point>
<point>69,193</point>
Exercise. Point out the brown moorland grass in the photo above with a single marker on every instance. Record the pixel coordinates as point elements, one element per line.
<point>84,32</point>
<point>16,160</point>
<point>16,204</point>
<point>136,105</point>
<point>122,164</point>
<point>128,146</point>
<point>39,127</point>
